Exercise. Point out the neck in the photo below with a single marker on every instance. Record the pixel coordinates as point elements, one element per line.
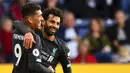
<point>51,38</point>
<point>96,34</point>
<point>29,25</point>
<point>121,25</point>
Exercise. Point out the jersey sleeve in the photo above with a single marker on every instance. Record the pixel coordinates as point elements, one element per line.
<point>34,58</point>
<point>21,26</point>
<point>65,59</point>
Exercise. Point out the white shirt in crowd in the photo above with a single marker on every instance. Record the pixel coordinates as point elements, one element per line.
<point>118,59</point>
<point>121,34</point>
<point>70,33</point>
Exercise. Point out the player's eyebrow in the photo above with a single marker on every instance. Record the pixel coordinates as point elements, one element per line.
<point>53,21</point>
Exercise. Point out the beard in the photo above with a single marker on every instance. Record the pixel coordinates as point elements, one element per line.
<point>50,31</point>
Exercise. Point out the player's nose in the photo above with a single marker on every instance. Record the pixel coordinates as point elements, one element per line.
<point>42,18</point>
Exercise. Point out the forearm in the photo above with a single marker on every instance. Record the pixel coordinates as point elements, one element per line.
<point>67,69</point>
<point>66,65</point>
<point>39,68</point>
<point>65,54</point>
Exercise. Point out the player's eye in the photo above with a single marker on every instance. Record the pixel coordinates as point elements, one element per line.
<point>52,21</point>
<point>58,23</point>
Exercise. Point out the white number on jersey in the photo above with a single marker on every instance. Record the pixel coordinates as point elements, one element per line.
<point>18,53</point>
<point>36,52</point>
<point>50,59</point>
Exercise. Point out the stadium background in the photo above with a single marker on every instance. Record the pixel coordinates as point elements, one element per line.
<point>78,15</point>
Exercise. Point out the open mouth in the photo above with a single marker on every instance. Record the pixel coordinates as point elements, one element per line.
<point>52,29</point>
<point>39,25</point>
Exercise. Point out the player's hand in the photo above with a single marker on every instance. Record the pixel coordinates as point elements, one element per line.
<point>51,69</point>
<point>28,40</point>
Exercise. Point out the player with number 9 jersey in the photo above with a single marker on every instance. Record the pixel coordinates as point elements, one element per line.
<point>27,60</point>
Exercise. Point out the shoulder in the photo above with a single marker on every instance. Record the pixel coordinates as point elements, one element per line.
<point>104,36</point>
<point>17,31</point>
<point>17,37</point>
<point>17,22</point>
<point>63,45</point>
<point>60,41</point>
<point>89,35</point>
<point>38,41</point>
<point>37,37</point>
<point>113,26</point>
<point>91,59</point>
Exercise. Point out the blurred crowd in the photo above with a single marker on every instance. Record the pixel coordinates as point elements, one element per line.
<point>96,31</point>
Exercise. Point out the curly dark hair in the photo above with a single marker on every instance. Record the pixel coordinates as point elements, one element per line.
<point>53,11</point>
<point>29,9</point>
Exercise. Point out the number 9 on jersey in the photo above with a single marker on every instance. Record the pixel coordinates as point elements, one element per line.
<point>18,53</point>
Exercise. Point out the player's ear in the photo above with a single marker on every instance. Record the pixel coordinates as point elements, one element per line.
<point>30,20</point>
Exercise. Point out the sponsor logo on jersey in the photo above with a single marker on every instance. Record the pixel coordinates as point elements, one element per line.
<point>18,37</point>
<point>54,51</point>
<point>47,57</point>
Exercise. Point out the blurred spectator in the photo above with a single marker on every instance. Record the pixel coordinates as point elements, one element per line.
<point>123,55</point>
<point>125,5</point>
<point>83,55</point>
<point>6,39</point>
<point>128,22</point>
<point>0,45</point>
<point>2,9</point>
<point>90,9</point>
<point>93,8</point>
<point>15,9</point>
<point>77,6</point>
<point>106,8</point>
<point>62,1</point>
<point>99,42</point>
<point>36,1</point>
<point>69,34</point>
<point>82,8</point>
<point>1,56</point>
<point>51,3</point>
<point>119,33</point>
